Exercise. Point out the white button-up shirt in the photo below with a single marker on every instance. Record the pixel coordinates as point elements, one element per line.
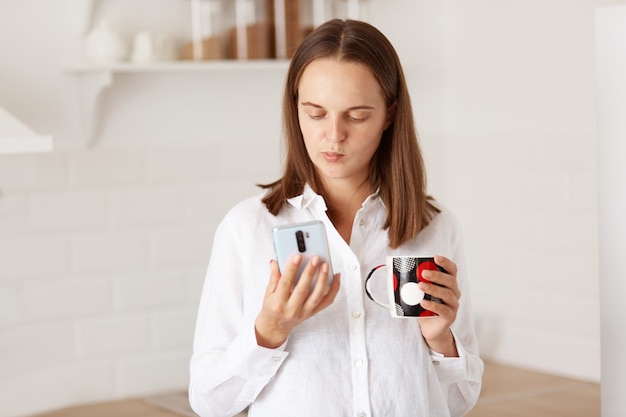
<point>351,359</point>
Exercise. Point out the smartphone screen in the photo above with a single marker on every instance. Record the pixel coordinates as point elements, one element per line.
<point>307,239</point>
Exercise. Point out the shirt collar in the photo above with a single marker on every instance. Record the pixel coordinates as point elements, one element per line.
<point>373,198</point>
<point>310,198</point>
<point>307,199</point>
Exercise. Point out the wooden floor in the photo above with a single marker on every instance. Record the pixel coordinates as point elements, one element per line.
<point>513,392</point>
<point>507,392</point>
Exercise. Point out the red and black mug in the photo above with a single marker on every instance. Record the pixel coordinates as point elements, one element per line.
<point>403,275</point>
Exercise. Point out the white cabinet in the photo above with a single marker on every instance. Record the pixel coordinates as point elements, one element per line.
<point>16,137</point>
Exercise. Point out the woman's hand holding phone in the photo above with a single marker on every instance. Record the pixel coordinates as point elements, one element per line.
<point>289,300</point>
<point>307,239</point>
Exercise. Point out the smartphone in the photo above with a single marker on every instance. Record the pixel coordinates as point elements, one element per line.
<point>307,239</point>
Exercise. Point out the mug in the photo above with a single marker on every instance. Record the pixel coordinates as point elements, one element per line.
<point>403,275</point>
<point>145,48</point>
<point>151,47</point>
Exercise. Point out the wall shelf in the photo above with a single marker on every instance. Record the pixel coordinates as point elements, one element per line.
<point>92,81</point>
<point>186,66</point>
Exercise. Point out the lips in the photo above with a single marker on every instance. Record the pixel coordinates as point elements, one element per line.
<point>332,156</point>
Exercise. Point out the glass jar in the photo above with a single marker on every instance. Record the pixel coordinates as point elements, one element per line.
<point>207,31</point>
<point>250,36</point>
<point>349,9</point>
<point>320,11</point>
<point>292,22</point>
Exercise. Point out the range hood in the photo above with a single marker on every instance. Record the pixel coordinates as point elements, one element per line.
<point>16,137</point>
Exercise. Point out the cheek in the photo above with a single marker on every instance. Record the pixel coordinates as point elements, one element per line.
<point>370,142</point>
<point>309,139</point>
<point>310,133</point>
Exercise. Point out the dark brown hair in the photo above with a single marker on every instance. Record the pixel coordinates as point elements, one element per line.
<point>397,168</point>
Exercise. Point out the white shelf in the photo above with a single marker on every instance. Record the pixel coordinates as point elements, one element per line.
<point>16,137</point>
<point>186,66</point>
<point>92,81</point>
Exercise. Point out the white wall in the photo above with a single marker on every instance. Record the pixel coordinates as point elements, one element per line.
<point>103,249</point>
<point>519,132</point>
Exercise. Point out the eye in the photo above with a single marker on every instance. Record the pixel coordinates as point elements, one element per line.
<point>316,116</point>
<point>357,117</point>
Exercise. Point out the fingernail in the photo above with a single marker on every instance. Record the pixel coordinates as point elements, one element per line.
<point>296,259</point>
<point>315,261</point>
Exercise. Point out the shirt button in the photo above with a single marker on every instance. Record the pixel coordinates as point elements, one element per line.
<point>276,358</point>
<point>355,267</point>
<point>356,314</point>
<point>362,223</point>
<point>435,362</point>
<point>358,362</point>
<point>362,414</point>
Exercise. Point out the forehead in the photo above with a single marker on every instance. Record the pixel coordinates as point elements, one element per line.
<point>334,80</point>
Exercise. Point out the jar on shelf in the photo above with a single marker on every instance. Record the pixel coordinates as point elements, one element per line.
<point>295,19</point>
<point>251,34</point>
<point>207,31</point>
<point>319,11</point>
<point>349,9</point>
<point>288,21</point>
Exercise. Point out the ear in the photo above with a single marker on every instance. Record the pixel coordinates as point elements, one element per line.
<point>391,114</point>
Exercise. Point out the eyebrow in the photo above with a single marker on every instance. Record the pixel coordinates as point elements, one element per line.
<point>317,106</point>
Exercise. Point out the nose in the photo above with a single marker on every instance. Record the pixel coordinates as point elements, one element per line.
<point>336,130</point>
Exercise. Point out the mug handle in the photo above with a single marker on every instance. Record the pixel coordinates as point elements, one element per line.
<point>367,290</point>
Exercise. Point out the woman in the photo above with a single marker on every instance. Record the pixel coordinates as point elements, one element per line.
<point>353,162</point>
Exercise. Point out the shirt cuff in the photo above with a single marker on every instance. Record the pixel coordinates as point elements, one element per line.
<point>451,369</point>
<point>251,361</point>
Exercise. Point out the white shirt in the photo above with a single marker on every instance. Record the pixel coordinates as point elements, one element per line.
<point>351,359</point>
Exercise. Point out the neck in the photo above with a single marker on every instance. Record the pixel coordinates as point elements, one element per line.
<point>343,204</point>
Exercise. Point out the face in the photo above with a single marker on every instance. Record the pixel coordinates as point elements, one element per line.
<point>342,114</point>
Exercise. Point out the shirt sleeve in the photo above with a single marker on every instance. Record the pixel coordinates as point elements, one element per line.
<point>461,378</point>
<point>227,368</point>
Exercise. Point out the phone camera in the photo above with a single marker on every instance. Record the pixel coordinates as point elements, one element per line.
<point>300,240</point>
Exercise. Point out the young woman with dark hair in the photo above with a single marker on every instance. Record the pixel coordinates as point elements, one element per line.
<point>286,347</point>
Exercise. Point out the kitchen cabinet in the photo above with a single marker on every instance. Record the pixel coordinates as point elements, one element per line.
<point>17,137</point>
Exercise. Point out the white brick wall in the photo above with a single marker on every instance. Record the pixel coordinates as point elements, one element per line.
<point>152,373</point>
<point>134,206</point>
<point>106,276</point>
<point>65,298</point>
<point>112,336</point>
<point>110,250</point>
<point>35,346</point>
<point>33,172</point>
<point>69,210</point>
<point>520,169</point>
<point>150,290</point>
<point>107,167</point>
<point>99,279</point>
<point>28,256</point>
